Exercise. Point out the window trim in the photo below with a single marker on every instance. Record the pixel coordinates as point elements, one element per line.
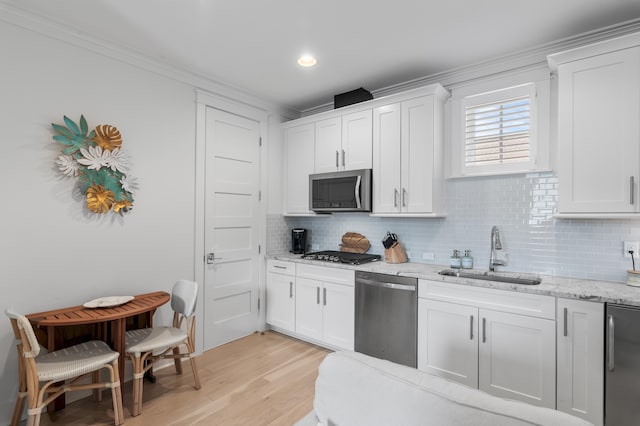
<point>495,87</point>
<point>524,90</point>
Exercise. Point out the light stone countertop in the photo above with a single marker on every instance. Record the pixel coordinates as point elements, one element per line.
<point>569,288</point>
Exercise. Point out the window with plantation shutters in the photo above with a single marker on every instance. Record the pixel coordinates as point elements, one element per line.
<point>499,130</point>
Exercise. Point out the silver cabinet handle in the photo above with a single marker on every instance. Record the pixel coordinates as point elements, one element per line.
<point>317,295</point>
<point>337,159</point>
<point>343,158</point>
<point>290,289</point>
<point>404,197</point>
<point>612,329</point>
<point>324,295</point>
<point>279,267</point>
<point>484,330</point>
<point>631,189</point>
<point>395,197</point>
<point>566,324</point>
<point>471,327</point>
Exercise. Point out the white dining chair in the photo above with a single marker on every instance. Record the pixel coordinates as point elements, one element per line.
<point>147,345</point>
<point>44,377</point>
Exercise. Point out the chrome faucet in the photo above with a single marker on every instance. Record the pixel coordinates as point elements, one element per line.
<point>495,245</point>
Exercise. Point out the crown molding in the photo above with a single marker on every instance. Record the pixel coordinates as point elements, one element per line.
<point>525,60</point>
<point>45,26</point>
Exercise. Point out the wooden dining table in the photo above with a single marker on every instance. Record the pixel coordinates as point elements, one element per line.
<point>65,327</point>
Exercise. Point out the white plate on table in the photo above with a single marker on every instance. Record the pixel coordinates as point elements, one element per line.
<point>108,302</point>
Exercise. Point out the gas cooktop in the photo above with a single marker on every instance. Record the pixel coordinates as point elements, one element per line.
<point>341,257</point>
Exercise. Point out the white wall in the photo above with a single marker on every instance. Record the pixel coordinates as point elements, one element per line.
<point>53,254</point>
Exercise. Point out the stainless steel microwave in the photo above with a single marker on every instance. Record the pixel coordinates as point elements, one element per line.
<point>347,191</point>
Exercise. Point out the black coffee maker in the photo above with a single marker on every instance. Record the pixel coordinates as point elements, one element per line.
<point>298,241</point>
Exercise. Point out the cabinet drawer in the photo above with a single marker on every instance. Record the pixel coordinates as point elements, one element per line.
<point>533,305</point>
<point>322,273</point>
<point>281,267</point>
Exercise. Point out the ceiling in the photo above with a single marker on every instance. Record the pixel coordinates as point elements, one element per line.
<point>253,45</point>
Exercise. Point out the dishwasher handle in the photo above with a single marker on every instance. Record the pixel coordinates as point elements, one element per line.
<point>393,286</point>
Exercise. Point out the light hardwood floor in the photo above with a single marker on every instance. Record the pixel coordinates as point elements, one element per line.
<point>258,380</point>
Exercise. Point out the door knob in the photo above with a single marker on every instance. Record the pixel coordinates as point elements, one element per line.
<point>211,257</point>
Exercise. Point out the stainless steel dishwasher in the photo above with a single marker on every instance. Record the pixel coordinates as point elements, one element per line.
<point>387,317</point>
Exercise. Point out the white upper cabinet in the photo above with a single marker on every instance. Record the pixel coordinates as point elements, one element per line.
<point>356,140</point>
<point>408,155</point>
<point>328,146</point>
<point>299,163</point>
<point>343,142</point>
<point>399,136</point>
<point>386,159</point>
<point>599,128</point>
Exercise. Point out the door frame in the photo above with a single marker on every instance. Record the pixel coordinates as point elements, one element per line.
<point>206,100</point>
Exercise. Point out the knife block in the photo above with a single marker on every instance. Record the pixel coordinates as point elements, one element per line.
<point>395,254</point>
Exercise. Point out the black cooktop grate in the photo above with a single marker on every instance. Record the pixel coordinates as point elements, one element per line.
<point>341,257</point>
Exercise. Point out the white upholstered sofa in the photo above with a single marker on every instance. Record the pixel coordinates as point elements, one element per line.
<point>354,389</point>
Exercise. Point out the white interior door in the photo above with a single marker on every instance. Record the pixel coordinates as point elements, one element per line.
<point>232,183</point>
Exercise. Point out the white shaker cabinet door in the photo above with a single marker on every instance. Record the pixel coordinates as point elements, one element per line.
<point>281,301</point>
<point>386,159</point>
<point>408,158</point>
<point>448,341</point>
<point>338,315</point>
<point>599,133</point>
<point>517,357</point>
<point>328,147</point>
<point>309,308</point>
<point>580,331</point>
<point>299,146</point>
<point>421,156</point>
<point>357,148</point>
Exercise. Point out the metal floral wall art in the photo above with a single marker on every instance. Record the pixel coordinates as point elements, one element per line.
<point>97,159</point>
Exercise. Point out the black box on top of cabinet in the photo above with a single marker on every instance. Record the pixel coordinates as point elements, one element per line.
<point>352,97</point>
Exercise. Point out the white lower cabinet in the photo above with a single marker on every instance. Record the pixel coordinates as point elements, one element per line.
<point>325,300</point>
<point>517,357</point>
<point>338,315</point>
<point>281,298</point>
<point>309,307</point>
<point>513,345</point>
<point>448,340</point>
<point>483,338</point>
<point>580,331</point>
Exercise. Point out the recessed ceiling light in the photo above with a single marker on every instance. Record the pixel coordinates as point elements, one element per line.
<point>307,61</point>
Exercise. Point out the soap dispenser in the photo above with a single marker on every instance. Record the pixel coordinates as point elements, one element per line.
<point>455,260</point>
<point>467,260</point>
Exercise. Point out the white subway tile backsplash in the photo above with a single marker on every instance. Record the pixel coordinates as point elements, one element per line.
<point>521,205</point>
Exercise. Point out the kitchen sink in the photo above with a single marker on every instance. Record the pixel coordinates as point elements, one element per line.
<point>504,277</point>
